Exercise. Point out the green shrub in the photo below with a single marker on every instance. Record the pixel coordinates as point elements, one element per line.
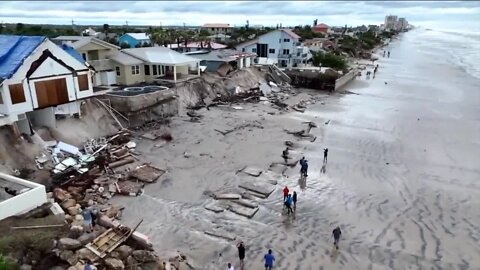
<point>329,60</point>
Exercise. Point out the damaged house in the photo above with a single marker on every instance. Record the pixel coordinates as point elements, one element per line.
<point>224,61</point>
<point>38,80</point>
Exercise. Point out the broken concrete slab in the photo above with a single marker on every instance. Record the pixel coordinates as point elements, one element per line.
<point>252,171</point>
<point>214,208</point>
<point>246,203</point>
<point>147,173</point>
<point>261,188</point>
<point>227,196</point>
<point>150,136</point>
<point>243,211</point>
<point>221,234</point>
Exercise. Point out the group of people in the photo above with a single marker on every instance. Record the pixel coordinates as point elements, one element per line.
<point>268,258</point>
<point>387,54</point>
<point>289,200</point>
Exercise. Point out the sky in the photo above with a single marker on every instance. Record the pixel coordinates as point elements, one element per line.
<point>447,15</point>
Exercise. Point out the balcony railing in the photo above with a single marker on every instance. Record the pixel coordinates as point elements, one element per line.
<point>100,65</point>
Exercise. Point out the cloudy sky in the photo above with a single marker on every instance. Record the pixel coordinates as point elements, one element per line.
<point>435,14</point>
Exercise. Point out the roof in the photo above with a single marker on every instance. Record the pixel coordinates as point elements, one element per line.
<point>160,55</point>
<point>124,59</point>
<point>247,43</point>
<point>71,51</point>
<point>80,41</point>
<point>222,55</point>
<point>138,36</point>
<point>224,25</point>
<point>14,50</point>
<point>197,44</point>
<point>291,33</point>
<point>322,25</point>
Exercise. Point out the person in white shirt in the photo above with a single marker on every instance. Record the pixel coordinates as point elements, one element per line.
<point>230,266</point>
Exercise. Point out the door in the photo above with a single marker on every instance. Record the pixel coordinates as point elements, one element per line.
<point>51,92</point>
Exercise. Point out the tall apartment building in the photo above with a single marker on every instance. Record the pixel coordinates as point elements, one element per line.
<point>390,22</point>
<point>402,24</point>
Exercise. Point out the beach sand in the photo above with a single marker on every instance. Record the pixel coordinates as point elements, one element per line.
<point>401,179</point>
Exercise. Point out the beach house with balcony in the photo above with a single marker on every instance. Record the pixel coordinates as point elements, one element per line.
<point>279,47</point>
<point>95,52</point>
<point>217,28</point>
<point>37,77</point>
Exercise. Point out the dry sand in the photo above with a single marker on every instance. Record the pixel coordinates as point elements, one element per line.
<point>401,181</point>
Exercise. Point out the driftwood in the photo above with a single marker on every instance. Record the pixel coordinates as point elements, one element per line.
<point>238,128</point>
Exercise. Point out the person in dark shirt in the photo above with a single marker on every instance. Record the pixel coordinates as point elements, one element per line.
<point>294,199</point>
<point>241,254</point>
<point>285,155</point>
<point>336,236</point>
<point>325,155</point>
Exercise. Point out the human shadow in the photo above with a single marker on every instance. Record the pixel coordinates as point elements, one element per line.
<point>302,182</point>
<point>324,168</point>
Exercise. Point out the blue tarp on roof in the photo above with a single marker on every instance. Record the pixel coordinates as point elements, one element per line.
<point>13,50</point>
<point>73,53</point>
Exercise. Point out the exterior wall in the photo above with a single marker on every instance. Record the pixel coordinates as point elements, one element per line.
<point>71,87</point>
<point>218,30</point>
<point>182,69</point>
<point>134,79</point>
<point>26,201</point>
<point>84,93</point>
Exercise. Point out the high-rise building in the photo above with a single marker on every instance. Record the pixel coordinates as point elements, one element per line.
<point>390,22</point>
<point>402,24</point>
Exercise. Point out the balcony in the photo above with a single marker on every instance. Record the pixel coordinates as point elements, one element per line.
<point>101,65</point>
<point>285,56</point>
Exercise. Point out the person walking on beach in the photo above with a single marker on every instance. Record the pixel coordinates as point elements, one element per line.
<point>241,254</point>
<point>285,193</point>
<point>383,53</point>
<point>304,167</point>
<point>388,54</point>
<point>288,204</point>
<point>294,199</point>
<point>269,259</point>
<point>230,266</point>
<point>336,236</point>
<point>325,155</point>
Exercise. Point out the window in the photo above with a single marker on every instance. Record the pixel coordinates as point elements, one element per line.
<point>135,70</point>
<point>286,51</point>
<point>279,40</point>
<point>1,98</point>
<point>117,69</point>
<point>298,54</point>
<point>254,50</point>
<point>286,40</point>
<point>83,82</point>
<point>155,70</point>
<point>213,29</point>
<point>16,93</point>
<point>147,70</point>
<point>243,49</point>
<point>271,50</point>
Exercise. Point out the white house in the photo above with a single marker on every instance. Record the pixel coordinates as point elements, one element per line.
<point>36,76</point>
<point>95,52</point>
<point>217,28</point>
<point>280,47</point>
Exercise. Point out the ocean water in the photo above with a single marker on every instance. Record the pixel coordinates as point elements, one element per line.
<point>461,49</point>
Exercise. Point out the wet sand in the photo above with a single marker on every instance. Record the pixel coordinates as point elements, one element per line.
<point>401,180</point>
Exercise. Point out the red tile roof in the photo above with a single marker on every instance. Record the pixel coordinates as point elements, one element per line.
<point>322,25</point>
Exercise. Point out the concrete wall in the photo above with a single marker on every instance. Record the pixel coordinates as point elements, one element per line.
<point>135,103</point>
<point>24,202</point>
<point>345,79</point>
<point>43,117</point>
